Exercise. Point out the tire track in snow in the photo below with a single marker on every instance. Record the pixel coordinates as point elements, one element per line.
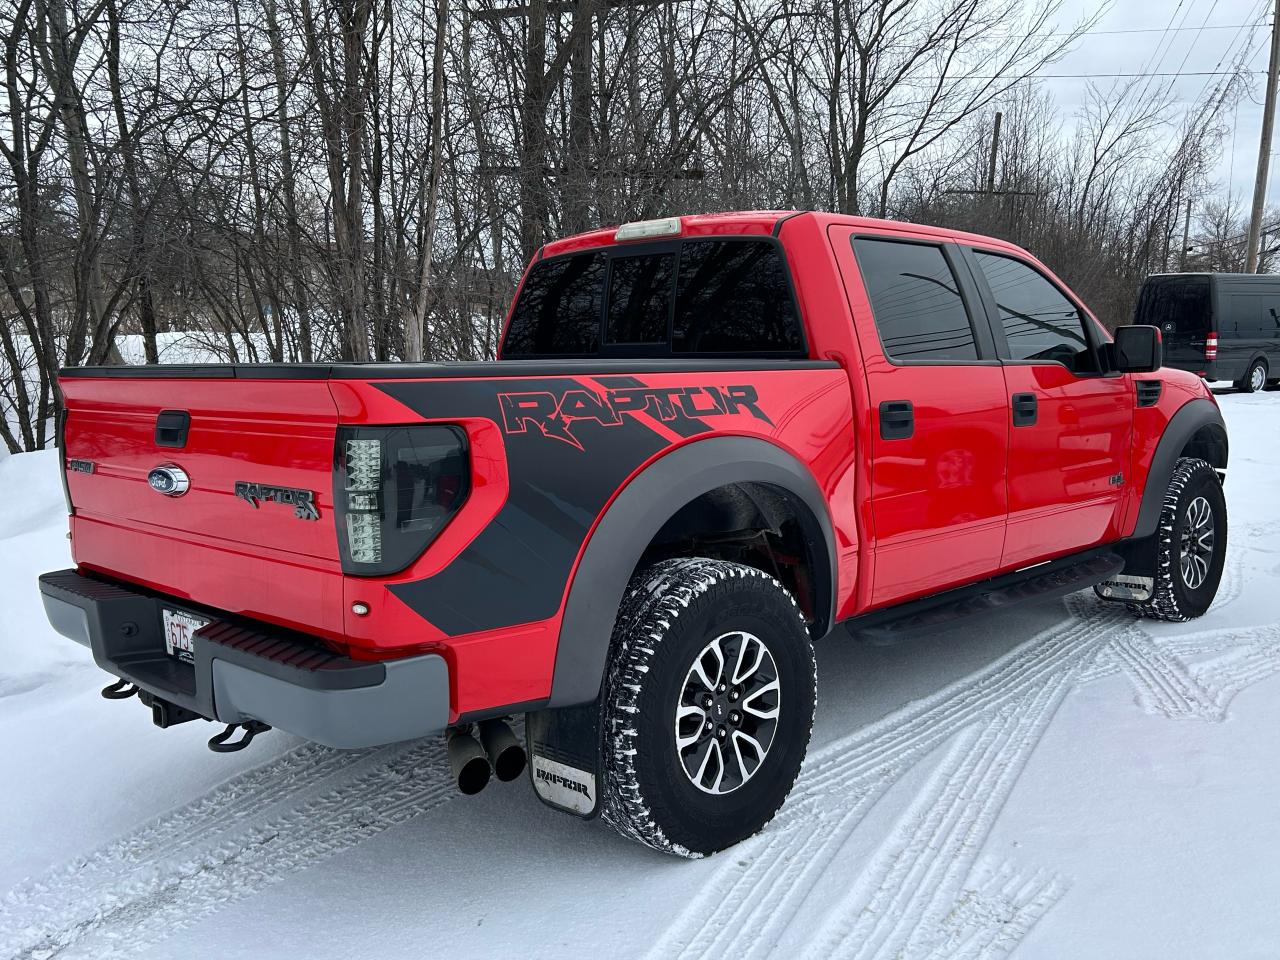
<point>1164,685</point>
<point>992,918</point>
<point>179,891</point>
<point>233,805</point>
<point>901,902</point>
<point>748,906</point>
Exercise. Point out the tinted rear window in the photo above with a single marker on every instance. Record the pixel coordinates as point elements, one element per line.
<point>695,296</point>
<point>733,297</point>
<point>1174,304</point>
<point>640,298</point>
<point>559,308</point>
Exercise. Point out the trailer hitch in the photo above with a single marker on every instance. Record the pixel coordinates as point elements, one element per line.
<point>120,690</point>
<point>218,743</point>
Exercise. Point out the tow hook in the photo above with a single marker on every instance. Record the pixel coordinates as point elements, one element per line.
<point>120,690</point>
<point>218,742</point>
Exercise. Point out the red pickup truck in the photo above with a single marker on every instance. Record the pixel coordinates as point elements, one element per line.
<point>709,442</point>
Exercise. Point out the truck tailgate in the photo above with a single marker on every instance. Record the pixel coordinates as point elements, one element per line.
<point>256,552</point>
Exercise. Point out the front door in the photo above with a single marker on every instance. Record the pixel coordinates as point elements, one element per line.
<point>940,424</point>
<point>1070,420</point>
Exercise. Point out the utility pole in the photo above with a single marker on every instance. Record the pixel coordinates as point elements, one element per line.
<point>995,147</point>
<point>1186,238</point>
<point>1264,148</point>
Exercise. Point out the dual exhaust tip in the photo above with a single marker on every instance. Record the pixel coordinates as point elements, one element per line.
<point>474,761</point>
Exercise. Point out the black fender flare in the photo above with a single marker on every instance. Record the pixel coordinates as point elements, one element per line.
<point>636,515</point>
<point>1190,418</point>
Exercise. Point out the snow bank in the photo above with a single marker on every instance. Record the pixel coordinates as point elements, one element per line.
<point>33,539</point>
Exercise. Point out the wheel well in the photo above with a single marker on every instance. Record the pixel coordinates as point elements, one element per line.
<point>762,526</point>
<point>1208,443</point>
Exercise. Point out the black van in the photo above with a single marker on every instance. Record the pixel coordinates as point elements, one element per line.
<point>1223,326</point>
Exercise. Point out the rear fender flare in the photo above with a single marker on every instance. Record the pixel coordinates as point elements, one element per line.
<point>635,517</point>
<point>1183,425</point>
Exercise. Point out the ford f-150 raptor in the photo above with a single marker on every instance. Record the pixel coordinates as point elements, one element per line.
<point>709,442</point>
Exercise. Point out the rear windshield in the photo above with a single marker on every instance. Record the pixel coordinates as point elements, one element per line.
<point>1174,304</point>
<point>721,296</point>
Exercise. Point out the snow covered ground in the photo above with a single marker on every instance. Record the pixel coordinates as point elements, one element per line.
<point>1059,781</point>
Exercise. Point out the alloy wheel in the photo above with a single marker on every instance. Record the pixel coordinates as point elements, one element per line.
<point>728,712</point>
<point>1197,543</point>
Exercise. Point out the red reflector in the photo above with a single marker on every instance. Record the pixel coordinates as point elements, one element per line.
<point>1211,347</point>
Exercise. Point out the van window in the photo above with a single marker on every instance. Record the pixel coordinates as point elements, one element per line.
<point>1040,323</point>
<point>1251,314</point>
<point>1174,304</point>
<point>916,302</point>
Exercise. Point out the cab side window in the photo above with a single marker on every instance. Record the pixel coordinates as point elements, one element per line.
<point>916,302</point>
<point>1040,324</point>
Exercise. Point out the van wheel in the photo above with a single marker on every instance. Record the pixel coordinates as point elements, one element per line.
<point>708,705</point>
<point>1255,377</point>
<point>1191,544</point>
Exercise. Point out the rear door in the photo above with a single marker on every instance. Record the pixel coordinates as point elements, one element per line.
<point>1181,306</point>
<point>1070,420</point>
<point>940,430</point>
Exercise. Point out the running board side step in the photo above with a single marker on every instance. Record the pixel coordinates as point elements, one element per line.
<point>1045,581</point>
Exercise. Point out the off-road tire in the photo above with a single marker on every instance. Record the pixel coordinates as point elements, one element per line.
<point>670,612</point>
<point>1173,599</point>
<point>1254,379</point>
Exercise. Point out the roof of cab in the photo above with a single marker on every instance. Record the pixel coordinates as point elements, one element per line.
<point>766,223</point>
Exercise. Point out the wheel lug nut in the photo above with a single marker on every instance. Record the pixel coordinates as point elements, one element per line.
<point>735,717</point>
<point>721,733</point>
<point>722,688</point>
<point>706,702</point>
<point>707,726</point>
<point>733,694</point>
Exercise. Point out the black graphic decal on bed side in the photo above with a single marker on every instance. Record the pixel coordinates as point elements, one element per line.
<point>516,569</point>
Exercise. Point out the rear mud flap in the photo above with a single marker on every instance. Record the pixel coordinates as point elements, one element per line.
<point>565,758</point>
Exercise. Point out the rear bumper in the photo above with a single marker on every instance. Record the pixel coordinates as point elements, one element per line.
<point>249,671</point>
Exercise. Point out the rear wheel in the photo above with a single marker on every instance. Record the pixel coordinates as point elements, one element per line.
<point>708,705</point>
<point>1255,378</point>
<point>1191,543</point>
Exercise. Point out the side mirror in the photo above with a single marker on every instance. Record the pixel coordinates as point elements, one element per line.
<point>1139,349</point>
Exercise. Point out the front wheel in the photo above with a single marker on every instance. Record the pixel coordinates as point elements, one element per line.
<point>708,705</point>
<point>1191,543</point>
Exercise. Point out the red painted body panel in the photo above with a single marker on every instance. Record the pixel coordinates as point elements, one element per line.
<point>1063,495</point>
<point>811,421</point>
<point>963,499</point>
<point>208,546</point>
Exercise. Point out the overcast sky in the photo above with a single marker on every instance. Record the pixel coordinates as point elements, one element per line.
<point>1188,49</point>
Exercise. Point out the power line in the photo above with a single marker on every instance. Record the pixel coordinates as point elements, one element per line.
<point>1165,73</point>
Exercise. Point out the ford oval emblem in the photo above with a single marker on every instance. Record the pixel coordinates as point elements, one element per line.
<point>170,480</point>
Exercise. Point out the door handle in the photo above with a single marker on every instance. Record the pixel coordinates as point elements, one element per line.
<point>172,427</point>
<point>1024,409</point>
<point>897,419</point>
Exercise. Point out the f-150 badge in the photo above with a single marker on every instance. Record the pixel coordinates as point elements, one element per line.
<point>302,501</point>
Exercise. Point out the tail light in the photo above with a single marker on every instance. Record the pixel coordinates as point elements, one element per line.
<point>395,489</point>
<point>1211,346</point>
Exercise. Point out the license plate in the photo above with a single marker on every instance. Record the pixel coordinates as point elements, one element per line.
<point>179,632</point>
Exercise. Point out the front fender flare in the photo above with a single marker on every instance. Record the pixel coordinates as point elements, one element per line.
<point>1190,418</point>
<point>635,517</point>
